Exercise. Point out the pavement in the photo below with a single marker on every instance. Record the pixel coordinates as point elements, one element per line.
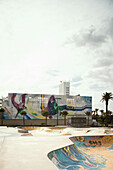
<point>29,151</point>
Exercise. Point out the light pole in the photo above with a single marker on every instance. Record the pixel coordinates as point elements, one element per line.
<point>58,98</point>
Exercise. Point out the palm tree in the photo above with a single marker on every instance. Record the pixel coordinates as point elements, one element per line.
<point>45,113</point>
<point>109,112</point>
<point>93,112</point>
<point>88,114</point>
<point>2,110</point>
<point>64,113</point>
<point>96,110</point>
<point>106,97</point>
<point>102,112</point>
<point>23,113</point>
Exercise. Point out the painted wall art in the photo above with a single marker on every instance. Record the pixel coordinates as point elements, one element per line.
<point>87,152</point>
<point>34,104</point>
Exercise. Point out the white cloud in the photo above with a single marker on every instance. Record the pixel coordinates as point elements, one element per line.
<point>89,37</point>
<point>35,57</point>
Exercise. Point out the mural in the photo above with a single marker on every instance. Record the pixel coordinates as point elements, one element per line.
<point>34,104</point>
<point>88,152</point>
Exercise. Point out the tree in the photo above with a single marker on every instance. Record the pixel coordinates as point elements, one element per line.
<point>102,112</point>
<point>88,114</point>
<point>96,110</point>
<point>45,113</point>
<point>23,113</point>
<point>2,110</point>
<point>106,97</point>
<point>93,112</point>
<point>64,113</point>
<point>109,113</point>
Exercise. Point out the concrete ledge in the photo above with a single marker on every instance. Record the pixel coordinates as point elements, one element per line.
<point>22,131</point>
<point>36,122</point>
<point>31,122</point>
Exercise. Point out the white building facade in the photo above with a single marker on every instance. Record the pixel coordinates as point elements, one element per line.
<point>64,88</point>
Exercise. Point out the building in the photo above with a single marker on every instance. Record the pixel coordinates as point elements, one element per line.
<point>34,104</point>
<point>64,88</point>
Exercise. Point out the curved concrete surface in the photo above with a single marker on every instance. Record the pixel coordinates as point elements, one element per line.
<point>20,152</point>
<point>25,152</point>
<point>87,152</point>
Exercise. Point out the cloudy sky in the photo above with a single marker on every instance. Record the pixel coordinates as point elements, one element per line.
<point>43,42</point>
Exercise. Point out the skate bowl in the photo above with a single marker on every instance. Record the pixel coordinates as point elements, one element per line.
<point>87,152</point>
<point>37,127</point>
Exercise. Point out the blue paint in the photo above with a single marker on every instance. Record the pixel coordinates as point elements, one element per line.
<point>111,148</point>
<point>71,157</point>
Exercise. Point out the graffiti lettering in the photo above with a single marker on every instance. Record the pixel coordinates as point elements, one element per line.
<point>95,142</point>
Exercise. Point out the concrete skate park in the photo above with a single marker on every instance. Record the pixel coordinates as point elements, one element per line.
<point>49,148</point>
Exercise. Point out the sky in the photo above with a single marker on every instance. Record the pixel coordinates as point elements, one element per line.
<point>43,42</point>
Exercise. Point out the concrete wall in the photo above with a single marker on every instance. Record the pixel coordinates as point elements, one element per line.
<point>35,104</point>
<point>90,122</point>
<point>77,121</point>
<point>36,122</point>
<point>31,122</point>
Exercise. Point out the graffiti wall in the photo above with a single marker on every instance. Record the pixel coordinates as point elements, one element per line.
<point>87,152</point>
<point>35,104</point>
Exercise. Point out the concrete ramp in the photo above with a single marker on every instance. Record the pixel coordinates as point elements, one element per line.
<point>87,152</point>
